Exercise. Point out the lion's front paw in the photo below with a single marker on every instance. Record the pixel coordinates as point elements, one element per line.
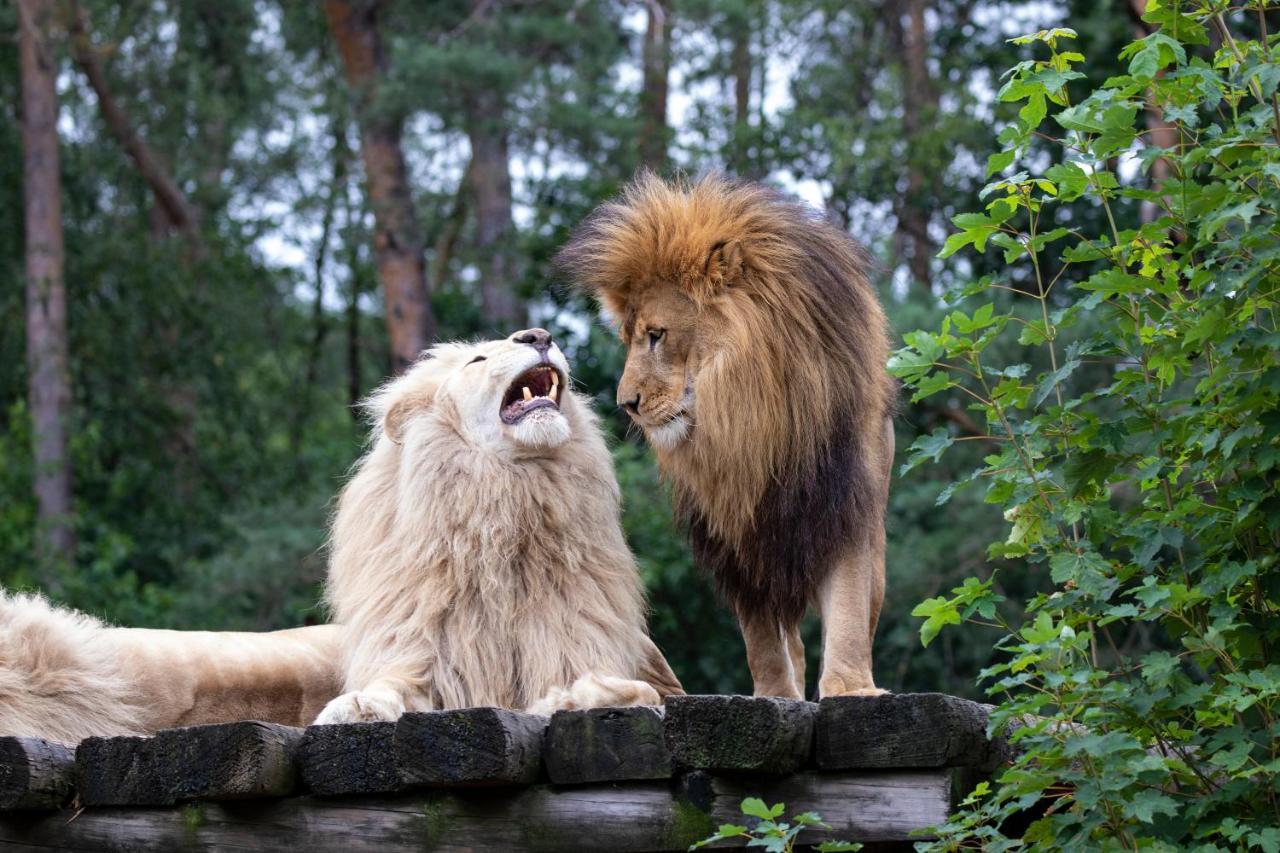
<point>360,707</point>
<point>596,691</point>
<point>836,686</point>
<point>862,691</point>
<point>558,699</point>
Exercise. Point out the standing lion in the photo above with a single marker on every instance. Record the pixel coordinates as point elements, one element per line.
<point>477,557</point>
<point>755,366</point>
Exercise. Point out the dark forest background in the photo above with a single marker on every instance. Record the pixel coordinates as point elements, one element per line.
<point>247,186</point>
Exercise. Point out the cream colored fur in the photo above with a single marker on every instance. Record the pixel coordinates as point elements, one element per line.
<point>476,562</point>
<point>65,676</point>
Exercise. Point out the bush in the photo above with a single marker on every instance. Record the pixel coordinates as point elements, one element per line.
<point>1137,467</point>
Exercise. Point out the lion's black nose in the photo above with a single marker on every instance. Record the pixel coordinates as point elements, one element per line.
<point>539,339</point>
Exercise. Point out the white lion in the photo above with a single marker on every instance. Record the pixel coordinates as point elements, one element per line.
<point>477,557</point>
<point>65,676</point>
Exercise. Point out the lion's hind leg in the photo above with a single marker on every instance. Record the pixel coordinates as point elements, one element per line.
<point>596,691</point>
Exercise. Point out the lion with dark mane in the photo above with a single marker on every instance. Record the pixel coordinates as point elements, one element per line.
<point>755,366</point>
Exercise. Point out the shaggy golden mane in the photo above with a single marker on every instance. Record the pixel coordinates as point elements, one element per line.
<point>791,389</point>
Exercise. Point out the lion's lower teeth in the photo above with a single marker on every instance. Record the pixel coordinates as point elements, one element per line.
<point>527,394</point>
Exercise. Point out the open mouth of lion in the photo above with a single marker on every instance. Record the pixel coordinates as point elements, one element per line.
<point>539,387</point>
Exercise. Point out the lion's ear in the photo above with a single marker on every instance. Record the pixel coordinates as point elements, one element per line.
<point>398,415</point>
<point>725,263</point>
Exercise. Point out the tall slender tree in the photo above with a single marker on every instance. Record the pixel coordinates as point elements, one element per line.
<point>655,70</point>
<point>490,183</point>
<point>1160,133</point>
<point>919,108</point>
<point>485,103</point>
<point>355,26</point>
<point>740,69</point>
<point>48,373</point>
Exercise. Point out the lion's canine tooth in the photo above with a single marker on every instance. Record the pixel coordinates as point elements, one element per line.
<point>555,379</point>
<point>527,394</point>
<point>554,393</point>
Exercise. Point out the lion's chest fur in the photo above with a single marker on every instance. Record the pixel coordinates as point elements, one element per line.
<point>493,580</point>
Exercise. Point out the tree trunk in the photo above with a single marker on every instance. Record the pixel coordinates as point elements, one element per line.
<point>919,108</point>
<point>49,380</point>
<point>447,239</point>
<point>490,177</point>
<point>653,94</point>
<point>741,72</point>
<point>1160,133</point>
<point>355,270</point>
<point>354,389</point>
<point>397,239</point>
<point>319,324</point>
<point>177,210</point>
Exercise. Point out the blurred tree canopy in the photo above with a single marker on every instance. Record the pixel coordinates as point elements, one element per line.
<point>228,267</point>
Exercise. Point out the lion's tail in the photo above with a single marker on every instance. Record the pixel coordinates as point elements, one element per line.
<point>60,678</point>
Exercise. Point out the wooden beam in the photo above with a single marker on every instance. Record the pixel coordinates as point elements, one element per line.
<point>757,734</point>
<point>219,762</point>
<point>473,746</point>
<point>905,730</point>
<point>35,774</point>
<point>606,745</point>
<point>868,807</point>
<point>353,758</point>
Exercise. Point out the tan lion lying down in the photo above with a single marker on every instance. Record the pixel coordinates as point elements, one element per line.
<point>476,553</point>
<point>65,676</point>
<point>476,558</point>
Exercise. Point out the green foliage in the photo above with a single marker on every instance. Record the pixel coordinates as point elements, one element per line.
<point>772,834</point>
<point>1133,452</point>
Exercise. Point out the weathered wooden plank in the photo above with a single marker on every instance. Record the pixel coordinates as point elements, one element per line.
<point>472,746</point>
<point>759,734</point>
<point>353,758</point>
<point>606,745</point>
<point>864,807</point>
<point>35,773</point>
<point>904,730</point>
<point>228,761</point>
<point>120,771</point>
<point>631,816</point>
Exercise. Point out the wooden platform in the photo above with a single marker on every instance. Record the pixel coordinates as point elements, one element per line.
<point>879,770</point>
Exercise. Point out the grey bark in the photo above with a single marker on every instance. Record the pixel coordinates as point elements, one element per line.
<point>48,371</point>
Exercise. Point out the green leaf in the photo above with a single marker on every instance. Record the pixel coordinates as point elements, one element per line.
<point>725,832</point>
<point>1147,804</point>
<point>755,807</point>
<point>1033,112</point>
<point>928,447</point>
<point>1000,161</point>
<point>1072,181</point>
<point>937,612</point>
<point>808,819</point>
<point>1050,381</point>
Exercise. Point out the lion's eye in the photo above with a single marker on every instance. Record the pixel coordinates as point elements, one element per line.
<point>655,335</point>
<point>477,358</point>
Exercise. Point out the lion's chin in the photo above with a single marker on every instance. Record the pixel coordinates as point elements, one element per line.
<point>670,435</point>
<point>545,428</point>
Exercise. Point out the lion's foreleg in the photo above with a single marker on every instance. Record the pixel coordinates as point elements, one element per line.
<point>851,598</point>
<point>795,649</point>
<point>850,602</point>
<point>379,700</point>
<point>596,691</point>
<point>769,656</point>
